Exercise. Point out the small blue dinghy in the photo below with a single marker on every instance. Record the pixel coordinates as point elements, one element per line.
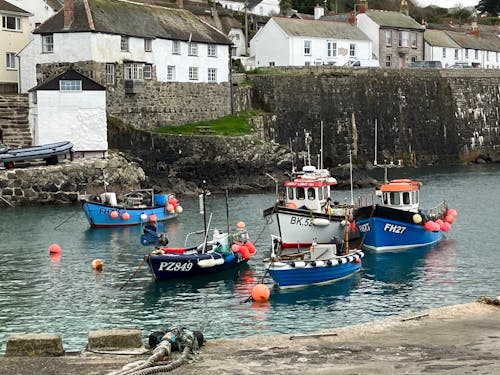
<point>49,152</point>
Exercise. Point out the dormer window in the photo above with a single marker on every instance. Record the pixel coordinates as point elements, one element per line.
<point>72,85</point>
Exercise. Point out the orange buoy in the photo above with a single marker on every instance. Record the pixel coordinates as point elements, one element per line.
<point>291,205</point>
<point>97,264</point>
<point>234,248</point>
<point>152,217</point>
<point>54,249</point>
<point>113,214</point>
<point>260,293</point>
<point>245,253</point>
<point>240,225</point>
<point>250,247</point>
<point>125,216</point>
<point>449,219</point>
<point>452,212</point>
<point>170,207</point>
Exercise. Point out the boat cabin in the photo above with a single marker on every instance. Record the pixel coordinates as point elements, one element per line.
<point>309,189</point>
<point>402,194</point>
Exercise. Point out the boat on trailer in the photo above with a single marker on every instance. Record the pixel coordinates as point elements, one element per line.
<point>398,222</point>
<point>49,152</point>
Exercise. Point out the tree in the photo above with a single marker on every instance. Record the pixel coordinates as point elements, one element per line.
<point>462,15</point>
<point>491,7</point>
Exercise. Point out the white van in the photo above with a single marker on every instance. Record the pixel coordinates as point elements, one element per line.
<point>371,63</point>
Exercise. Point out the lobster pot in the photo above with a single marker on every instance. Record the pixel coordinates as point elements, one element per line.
<point>223,239</point>
<point>323,252</point>
<point>160,199</point>
<point>109,198</point>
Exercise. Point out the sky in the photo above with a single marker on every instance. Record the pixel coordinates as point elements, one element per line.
<point>446,3</point>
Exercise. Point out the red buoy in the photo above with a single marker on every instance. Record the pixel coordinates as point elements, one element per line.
<point>260,293</point>
<point>125,216</point>
<point>54,249</point>
<point>113,214</point>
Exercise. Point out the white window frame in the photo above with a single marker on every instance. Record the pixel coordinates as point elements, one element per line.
<point>388,38</point>
<point>16,20</point>
<point>331,48</point>
<point>444,53</point>
<point>476,54</point>
<point>48,43</point>
<point>133,71</point>
<point>352,50</point>
<point>170,73</point>
<point>456,53</point>
<point>413,39</point>
<point>110,73</point>
<point>193,73</point>
<point>404,39</point>
<point>307,47</point>
<point>148,44</point>
<point>466,53</point>
<point>212,75</point>
<point>10,61</point>
<point>124,43</point>
<point>388,61</point>
<point>212,50</point>
<point>192,49</point>
<point>70,85</point>
<point>176,47</point>
<point>148,71</point>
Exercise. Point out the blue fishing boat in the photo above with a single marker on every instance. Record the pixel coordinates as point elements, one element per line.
<point>398,222</point>
<point>49,152</point>
<point>317,265</point>
<point>221,252</point>
<point>138,206</point>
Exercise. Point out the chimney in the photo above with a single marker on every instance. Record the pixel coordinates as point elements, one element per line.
<point>404,8</point>
<point>474,26</point>
<point>362,6</point>
<point>68,9</point>
<point>319,12</point>
<point>352,18</point>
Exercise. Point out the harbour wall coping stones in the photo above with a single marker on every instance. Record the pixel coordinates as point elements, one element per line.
<point>34,344</point>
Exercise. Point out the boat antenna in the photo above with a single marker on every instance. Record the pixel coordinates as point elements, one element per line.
<point>308,141</point>
<point>227,211</point>
<point>203,196</point>
<point>350,176</point>
<point>321,146</point>
<point>375,156</point>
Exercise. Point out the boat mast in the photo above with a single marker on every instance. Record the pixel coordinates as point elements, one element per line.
<point>321,147</point>
<point>375,156</point>
<point>227,212</point>
<point>350,176</point>
<point>308,144</point>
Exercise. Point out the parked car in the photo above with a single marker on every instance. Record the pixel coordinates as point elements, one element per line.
<point>371,63</point>
<point>426,64</point>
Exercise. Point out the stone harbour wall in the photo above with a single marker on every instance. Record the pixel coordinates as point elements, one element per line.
<point>62,183</point>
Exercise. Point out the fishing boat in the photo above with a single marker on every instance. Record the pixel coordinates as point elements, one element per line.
<point>398,222</point>
<point>223,251</point>
<point>307,209</point>
<point>48,152</point>
<point>137,207</point>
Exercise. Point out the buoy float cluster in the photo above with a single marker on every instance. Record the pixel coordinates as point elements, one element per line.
<point>173,206</point>
<point>55,254</point>
<point>439,224</point>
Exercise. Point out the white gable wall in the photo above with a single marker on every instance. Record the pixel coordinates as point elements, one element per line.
<point>271,45</point>
<point>79,117</point>
<point>39,8</point>
<point>238,38</point>
<point>371,29</point>
<point>267,8</point>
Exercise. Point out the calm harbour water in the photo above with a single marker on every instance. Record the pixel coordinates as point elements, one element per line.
<point>40,294</point>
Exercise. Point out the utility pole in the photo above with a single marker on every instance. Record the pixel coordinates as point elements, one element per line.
<point>246,27</point>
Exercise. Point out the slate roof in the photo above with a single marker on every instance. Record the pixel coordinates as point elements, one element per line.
<point>439,38</point>
<point>70,74</point>
<point>55,4</point>
<point>388,19</point>
<point>319,29</point>
<point>490,43</point>
<point>10,8</point>
<point>136,20</point>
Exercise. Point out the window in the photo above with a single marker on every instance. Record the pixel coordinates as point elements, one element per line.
<point>193,73</point>
<point>488,56</point>
<point>11,23</point>
<point>133,71</point>
<point>394,198</point>
<point>352,50</point>
<point>110,74</point>
<point>10,60</point>
<point>148,71</point>
<point>70,85</point>
<point>388,38</point>
<point>497,56</point>
<point>212,50</point>
<point>444,52</point>
<point>124,43</point>
<point>331,48</point>
<point>170,73</point>
<point>476,54</point>
<point>193,49</point>
<point>148,45</point>
<point>413,59</point>
<point>176,47</point>
<point>48,43</point>
<point>311,194</point>
<point>388,60</point>
<point>289,193</point>
<point>272,63</point>
<point>406,197</point>
<point>301,195</point>
<point>234,51</point>
<point>212,75</point>
<point>413,40</point>
<point>456,54</point>
<point>404,37</point>
<point>307,47</point>
<point>307,63</point>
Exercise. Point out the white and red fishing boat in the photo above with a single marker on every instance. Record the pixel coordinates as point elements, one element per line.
<point>307,210</point>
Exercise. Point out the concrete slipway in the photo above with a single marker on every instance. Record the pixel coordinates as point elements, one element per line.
<point>462,339</point>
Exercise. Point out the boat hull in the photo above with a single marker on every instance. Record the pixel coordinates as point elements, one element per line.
<point>298,228</point>
<point>98,215</point>
<point>385,233</point>
<point>302,274</point>
<point>173,266</point>
<point>36,152</point>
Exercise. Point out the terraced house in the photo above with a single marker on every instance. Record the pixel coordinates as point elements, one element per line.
<point>154,61</point>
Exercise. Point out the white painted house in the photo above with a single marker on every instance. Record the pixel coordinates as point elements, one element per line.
<point>296,42</point>
<point>70,107</point>
<point>149,42</point>
<point>40,9</point>
<point>268,8</point>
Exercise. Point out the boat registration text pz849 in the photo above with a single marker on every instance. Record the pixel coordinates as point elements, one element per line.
<point>397,229</point>
<point>302,221</point>
<point>175,266</point>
